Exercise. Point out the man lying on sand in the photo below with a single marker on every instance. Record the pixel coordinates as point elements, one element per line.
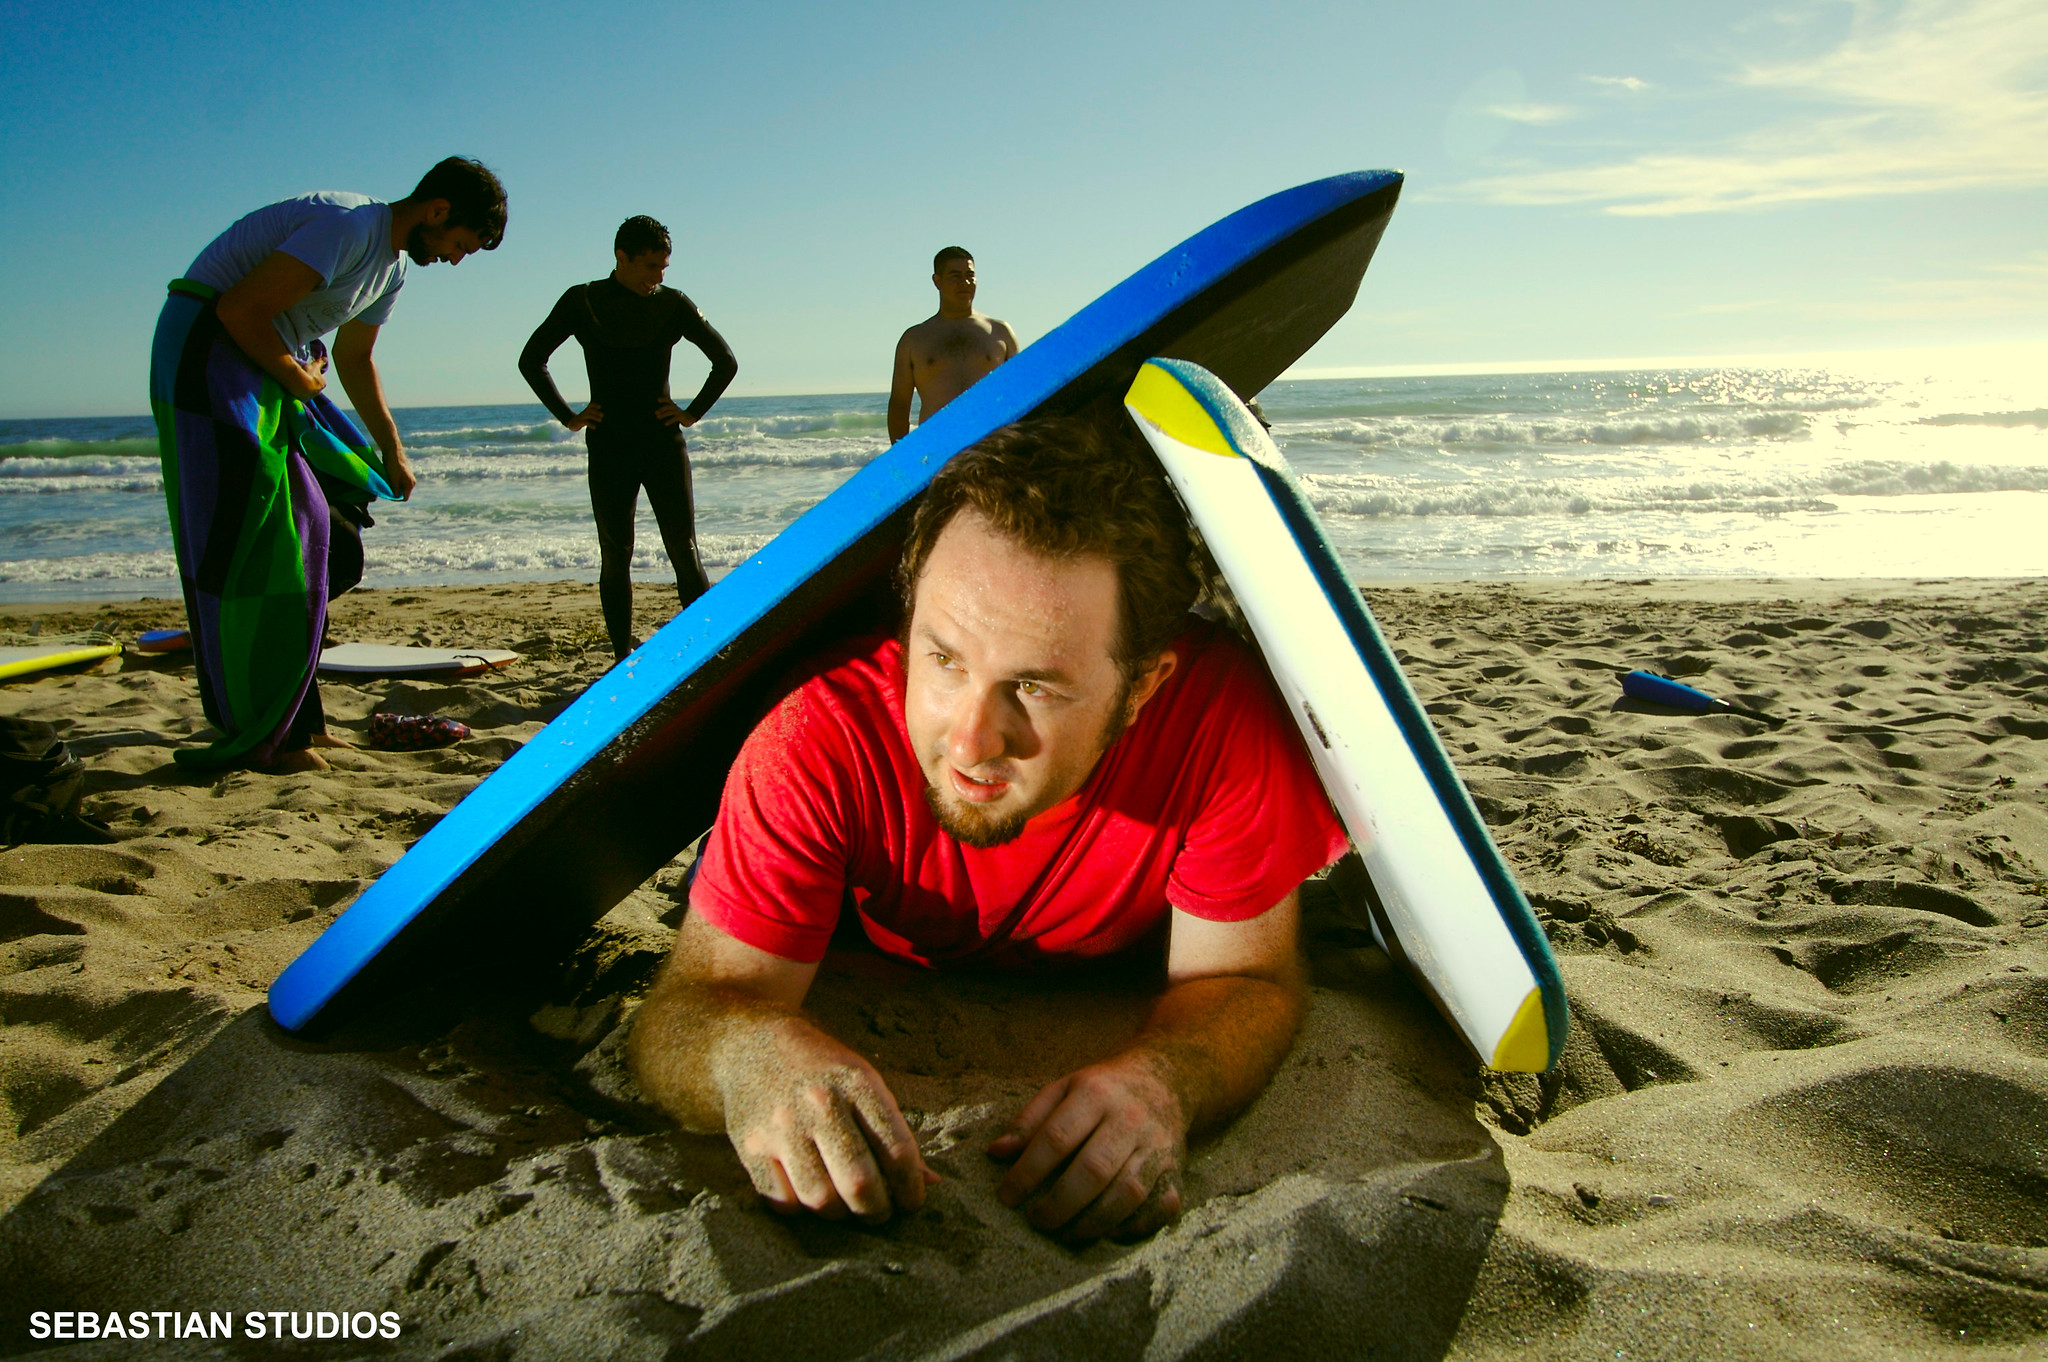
<point>948,352</point>
<point>1054,761</point>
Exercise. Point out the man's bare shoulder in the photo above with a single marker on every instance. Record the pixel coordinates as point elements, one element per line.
<point>941,339</point>
<point>933,326</point>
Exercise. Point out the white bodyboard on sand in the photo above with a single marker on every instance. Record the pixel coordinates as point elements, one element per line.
<point>385,659</point>
<point>1447,898</point>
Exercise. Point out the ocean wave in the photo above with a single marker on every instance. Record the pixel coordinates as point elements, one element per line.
<point>546,433</point>
<point>1353,495</point>
<point>2010,420</point>
<point>434,464</point>
<point>134,447</point>
<point>796,426</point>
<point>799,426</point>
<point>721,455</point>
<point>491,555</point>
<point>1518,431</point>
<point>463,465</point>
<point>506,555</point>
<point>92,567</point>
<point>80,474</point>
<point>728,550</point>
<point>438,463</point>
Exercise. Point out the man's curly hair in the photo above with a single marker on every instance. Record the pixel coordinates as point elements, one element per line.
<point>1067,487</point>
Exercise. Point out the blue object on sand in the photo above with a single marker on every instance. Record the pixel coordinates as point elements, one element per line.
<point>163,641</point>
<point>1662,690</point>
<point>630,774</point>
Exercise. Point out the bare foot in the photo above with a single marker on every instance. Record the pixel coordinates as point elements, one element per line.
<point>295,763</point>
<point>325,739</point>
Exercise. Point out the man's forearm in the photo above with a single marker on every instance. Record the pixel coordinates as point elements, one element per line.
<point>365,391</point>
<point>533,367</point>
<point>258,338</point>
<point>724,368</point>
<point>685,1039</point>
<point>1218,1041</point>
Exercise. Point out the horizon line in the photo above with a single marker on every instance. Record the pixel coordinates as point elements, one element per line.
<point>1887,356</point>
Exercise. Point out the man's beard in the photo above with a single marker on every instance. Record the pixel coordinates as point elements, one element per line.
<point>971,827</point>
<point>416,245</point>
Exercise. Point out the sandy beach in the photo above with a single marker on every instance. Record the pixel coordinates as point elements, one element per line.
<point>1803,1111</point>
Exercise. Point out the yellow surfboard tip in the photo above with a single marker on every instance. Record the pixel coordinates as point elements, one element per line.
<point>1164,401</point>
<point>1525,1046</point>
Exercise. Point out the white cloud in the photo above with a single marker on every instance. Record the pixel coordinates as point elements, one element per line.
<point>1629,83</point>
<point>2033,267</point>
<point>1921,96</point>
<point>1532,113</point>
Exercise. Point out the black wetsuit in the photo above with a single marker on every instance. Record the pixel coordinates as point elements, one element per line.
<point>626,339</point>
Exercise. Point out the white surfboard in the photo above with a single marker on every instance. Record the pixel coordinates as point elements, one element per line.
<point>384,659</point>
<point>1448,907</point>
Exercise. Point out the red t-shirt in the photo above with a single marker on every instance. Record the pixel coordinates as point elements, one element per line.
<point>1207,803</point>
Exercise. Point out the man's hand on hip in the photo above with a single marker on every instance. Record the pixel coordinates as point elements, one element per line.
<point>1118,1131</point>
<point>817,1128</point>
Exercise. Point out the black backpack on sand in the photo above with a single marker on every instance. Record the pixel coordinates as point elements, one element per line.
<point>40,786</point>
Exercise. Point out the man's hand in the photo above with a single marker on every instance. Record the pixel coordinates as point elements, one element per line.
<point>669,414</point>
<point>1119,1130</point>
<point>248,313</point>
<point>355,364</point>
<point>1215,1037</point>
<point>817,1129</point>
<point>591,415</point>
<point>720,1044</point>
<point>308,383</point>
<point>398,473</point>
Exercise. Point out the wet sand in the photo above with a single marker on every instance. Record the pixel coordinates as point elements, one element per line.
<point>1803,1111</point>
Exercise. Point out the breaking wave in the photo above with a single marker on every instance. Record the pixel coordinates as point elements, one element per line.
<point>1498,432</point>
<point>2009,420</point>
<point>1364,495</point>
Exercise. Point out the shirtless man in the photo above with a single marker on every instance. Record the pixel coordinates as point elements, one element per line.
<point>948,352</point>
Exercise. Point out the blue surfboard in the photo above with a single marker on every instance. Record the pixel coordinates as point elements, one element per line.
<point>630,774</point>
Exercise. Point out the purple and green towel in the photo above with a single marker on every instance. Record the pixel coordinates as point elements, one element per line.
<point>242,463</point>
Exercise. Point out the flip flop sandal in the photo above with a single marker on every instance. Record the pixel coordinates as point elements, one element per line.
<point>414,732</point>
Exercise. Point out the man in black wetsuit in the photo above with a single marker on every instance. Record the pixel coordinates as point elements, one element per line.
<point>627,325</point>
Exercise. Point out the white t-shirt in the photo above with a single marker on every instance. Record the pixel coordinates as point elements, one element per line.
<point>346,238</point>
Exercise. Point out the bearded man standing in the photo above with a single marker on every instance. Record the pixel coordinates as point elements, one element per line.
<point>268,481</point>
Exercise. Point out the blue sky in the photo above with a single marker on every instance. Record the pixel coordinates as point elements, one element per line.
<point>1593,180</point>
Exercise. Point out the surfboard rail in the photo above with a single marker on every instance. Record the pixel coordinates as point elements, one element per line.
<point>1446,905</point>
<point>26,655</point>
<point>391,659</point>
<point>631,772</point>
